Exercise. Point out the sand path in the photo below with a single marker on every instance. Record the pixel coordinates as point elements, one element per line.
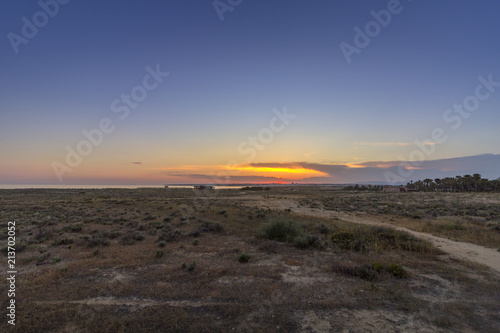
<point>459,250</point>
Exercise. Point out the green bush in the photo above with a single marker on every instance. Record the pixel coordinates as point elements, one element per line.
<point>366,272</point>
<point>159,254</point>
<point>307,241</point>
<point>139,237</point>
<point>378,267</point>
<point>192,266</point>
<point>280,229</point>
<point>343,239</point>
<point>127,240</point>
<point>211,226</point>
<point>244,257</point>
<point>64,241</point>
<point>56,260</point>
<point>397,270</point>
<point>379,238</point>
<point>324,230</point>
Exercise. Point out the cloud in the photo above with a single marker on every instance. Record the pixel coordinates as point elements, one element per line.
<point>488,165</point>
<point>137,163</point>
<point>233,179</point>
<point>390,144</point>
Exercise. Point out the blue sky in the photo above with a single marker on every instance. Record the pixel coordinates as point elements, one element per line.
<point>226,78</point>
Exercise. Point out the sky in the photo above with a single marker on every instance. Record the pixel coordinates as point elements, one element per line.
<point>240,91</point>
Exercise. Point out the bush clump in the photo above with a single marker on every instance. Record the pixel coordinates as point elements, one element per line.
<point>366,272</point>
<point>211,226</point>
<point>379,238</point>
<point>397,270</point>
<point>64,241</point>
<point>281,229</point>
<point>243,257</point>
<point>307,241</point>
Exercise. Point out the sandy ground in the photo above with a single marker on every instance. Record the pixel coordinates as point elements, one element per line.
<point>459,250</point>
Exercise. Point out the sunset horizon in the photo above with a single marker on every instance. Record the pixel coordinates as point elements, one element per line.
<point>231,102</point>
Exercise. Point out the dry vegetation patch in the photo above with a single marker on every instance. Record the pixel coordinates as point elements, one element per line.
<point>171,260</point>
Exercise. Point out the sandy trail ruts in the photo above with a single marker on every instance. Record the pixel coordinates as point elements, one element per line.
<point>136,302</point>
<point>458,250</point>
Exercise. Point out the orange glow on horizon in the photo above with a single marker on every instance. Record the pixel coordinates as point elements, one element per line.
<point>351,165</point>
<point>284,172</point>
<point>279,170</point>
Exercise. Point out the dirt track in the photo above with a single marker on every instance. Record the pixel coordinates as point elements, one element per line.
<point>459,250</point>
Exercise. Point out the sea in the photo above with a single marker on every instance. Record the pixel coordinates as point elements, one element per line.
<point>59,186</point>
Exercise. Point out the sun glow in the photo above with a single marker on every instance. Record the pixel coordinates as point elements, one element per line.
<point>278,172</point>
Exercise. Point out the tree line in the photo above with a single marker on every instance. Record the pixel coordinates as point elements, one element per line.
<point>465,183</point>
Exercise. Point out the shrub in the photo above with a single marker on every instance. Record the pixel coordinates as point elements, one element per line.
<point>194,234</point>
<point>244,257</point>
<point>127,240</point>
<point>73,228</point>
<point>307,241</point>
<point>162,243</point>
<point>495,226</point>
<point>324,230</point>
<point>156,225</point>
<point>366,272</point>
<point>280,229</point>
<point>344,239</point>
<point>41,259</point>
<point>64,241</point>
<point>378,266</point>
<point>211,226</point>
<point>380,238</point>
<point>168,236</point>
<point>196,242</point>
<point>95,240</point>
<point>192,266</point>
<point>222,212</point>
<point>397,270</point>
<point>56,260</point>
<point>159,254</point>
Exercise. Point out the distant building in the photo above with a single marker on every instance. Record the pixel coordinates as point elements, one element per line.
<point>204,187</point>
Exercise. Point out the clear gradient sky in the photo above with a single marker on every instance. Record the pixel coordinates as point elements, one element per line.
<point>350,119</point>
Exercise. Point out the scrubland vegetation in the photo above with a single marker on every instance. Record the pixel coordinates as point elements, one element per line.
<point>174,260</point>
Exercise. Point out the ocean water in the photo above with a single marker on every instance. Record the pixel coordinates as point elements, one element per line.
<point>59,186</point>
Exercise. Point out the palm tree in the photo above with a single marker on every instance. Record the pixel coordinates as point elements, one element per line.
<point>438,182</point>
<point>427,182</point>
<point>458,183</point>
<point>477,178</point>
<point>467,181</point>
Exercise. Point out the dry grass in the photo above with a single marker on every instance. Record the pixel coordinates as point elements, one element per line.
<point>468,217</point>
<point>110,277</point>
